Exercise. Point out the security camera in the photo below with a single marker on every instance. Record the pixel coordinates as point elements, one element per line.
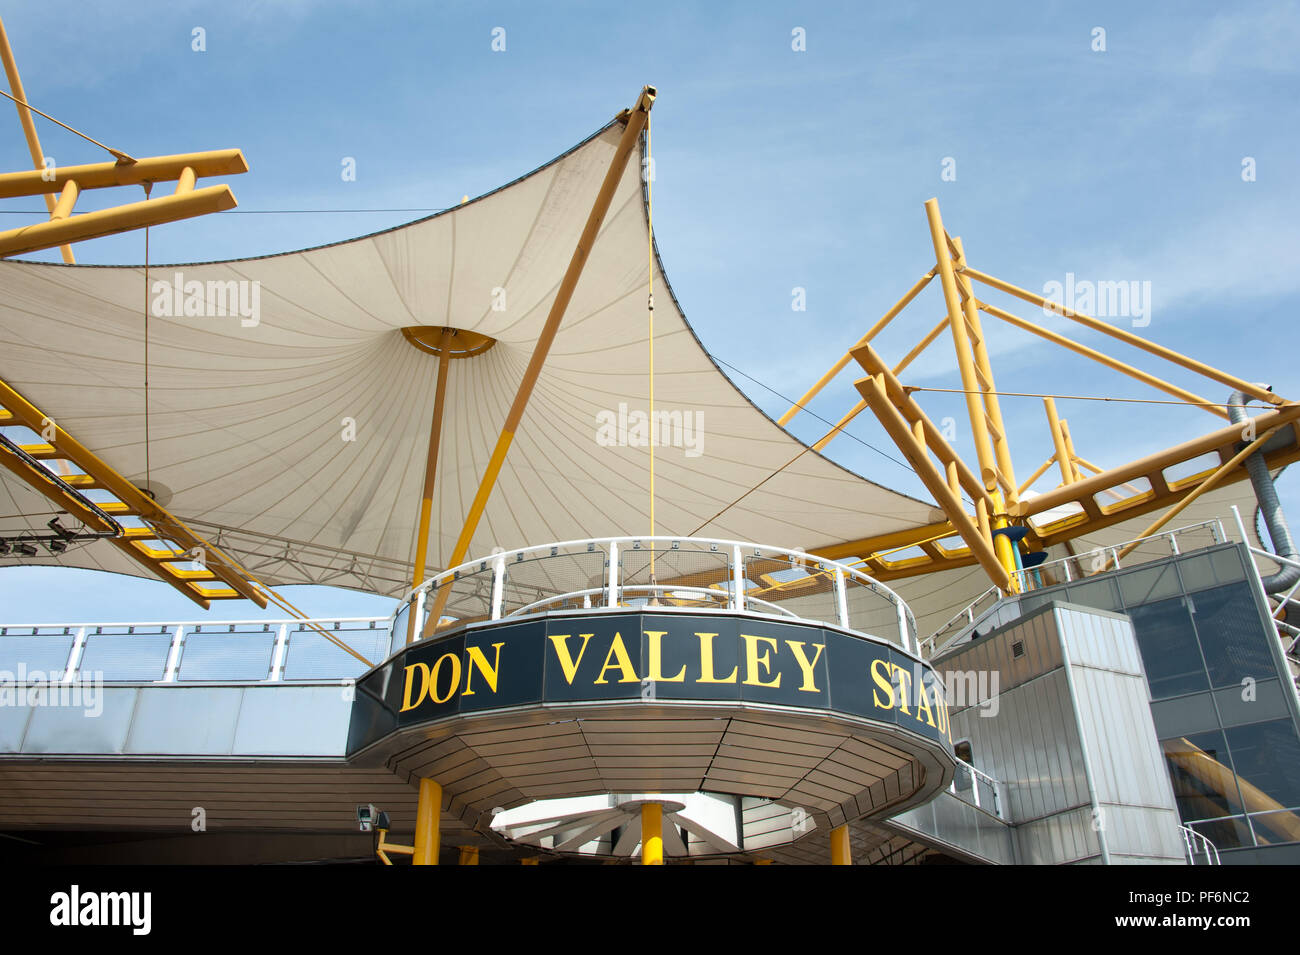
<point>366,817</point>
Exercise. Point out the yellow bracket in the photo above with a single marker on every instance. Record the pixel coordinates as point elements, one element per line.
<point>386,847</point>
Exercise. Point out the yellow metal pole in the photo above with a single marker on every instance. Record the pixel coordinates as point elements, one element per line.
<point>29,127</point>
<point>1138,374</point>
<point>428,836</point>
<point>861,406</point>
<point>430,475</point>
<point>975,536</point>
<point>984,372</point>
<point>652,834</point>
<point>870,360</point>
<point>134,215</point>
<point>872,332</point>
<point>106,175</point>
<point>1058,441</point>
<point>965,361</point>
<point>840,846</point>
<point>468,855</point>
<point>636,120</point>
<point>826,439</point>
<point>922,345</point>
<point>1002,545</point>
<point>1168,354</point>
<point>1039,472</point>
<point>1069,449</point>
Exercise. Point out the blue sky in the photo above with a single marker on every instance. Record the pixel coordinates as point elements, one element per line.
<point>776,169</point>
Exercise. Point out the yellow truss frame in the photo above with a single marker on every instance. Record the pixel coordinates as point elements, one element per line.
<point>997,498</point>
<point>218,580</point>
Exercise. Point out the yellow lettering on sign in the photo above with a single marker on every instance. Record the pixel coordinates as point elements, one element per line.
<point>904,687</point>
<point>567,663</point>
<point>753,661</point>
<point>455,677</point>
<point>881,680</point>
<point>477,658</point>
<point>654,660</point>
<point>706,661</point>
<point>424,686</point>
<point>807,668</point>
<point>623,663</point>
<point>923,703</point>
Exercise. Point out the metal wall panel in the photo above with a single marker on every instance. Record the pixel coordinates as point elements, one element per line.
<point>1059,839</point>
<point>1134,798</point>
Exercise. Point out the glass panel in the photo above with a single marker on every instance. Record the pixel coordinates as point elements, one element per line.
<point>1267,758</point>
<point>1204,785</point>
<point>1101,594</point>
<point>1227,565</point>
<point>1274,827</point>
<point>227,656</point>
<point>400,623</point>
<point>126,657</point>
<point>806,591</point>
<point>1148,585</point>
<point>558,579</point>
<point>1197,573</point>
<point>689,575</point>
<point>47,655</point>
<point>467,598</point>
<point>871,611</point>
<point>1225,833</point>
<point>1232,635</point>
<point>311,657</point>
<point>1170,653</point>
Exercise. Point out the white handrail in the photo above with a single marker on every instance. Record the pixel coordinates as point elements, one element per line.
<point>731,555</point>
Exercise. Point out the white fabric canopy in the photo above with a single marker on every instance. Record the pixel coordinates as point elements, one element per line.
<point>248,421</point>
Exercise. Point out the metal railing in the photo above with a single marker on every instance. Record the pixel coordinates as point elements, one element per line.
<point>1198,847</point>
<point>977,788</point>
<point>1101,560</point>
<point>1079,566</point>
<point>661,574</point>
<point>226,651</point>
<point>1283,600</point>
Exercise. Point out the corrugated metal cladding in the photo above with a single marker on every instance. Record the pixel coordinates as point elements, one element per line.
<point>1074,749</point>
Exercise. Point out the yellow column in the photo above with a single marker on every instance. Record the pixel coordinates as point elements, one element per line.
<point>652,837</point>
<point>430,476</point>
<point>29,126</point>
<point>427,817</point>
<point>468,855</point>
<point>840,846</point>
<point>1002,545</point>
